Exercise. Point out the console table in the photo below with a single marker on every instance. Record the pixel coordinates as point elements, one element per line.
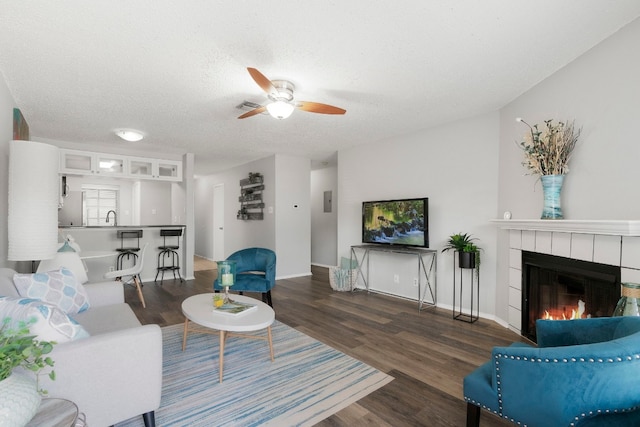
<point>427,268</point>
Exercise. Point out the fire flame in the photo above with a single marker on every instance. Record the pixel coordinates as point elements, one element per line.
<point>575,313</point>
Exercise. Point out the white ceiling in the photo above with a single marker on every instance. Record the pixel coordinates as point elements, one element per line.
<point>176,70</point>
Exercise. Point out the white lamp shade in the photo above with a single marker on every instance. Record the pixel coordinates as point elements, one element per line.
<point>69,260</point>
<point>33,201</point>
<point>280,109</point>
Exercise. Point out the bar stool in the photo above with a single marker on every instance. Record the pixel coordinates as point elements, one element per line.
<point>169,252</point>
<point>128,251</point>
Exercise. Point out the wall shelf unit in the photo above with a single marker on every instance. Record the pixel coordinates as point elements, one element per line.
<point>251,204</point>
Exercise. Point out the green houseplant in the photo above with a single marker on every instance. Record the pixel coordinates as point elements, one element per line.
<point>468,251</point>
<point>19,348</point>
<point>19,393</point>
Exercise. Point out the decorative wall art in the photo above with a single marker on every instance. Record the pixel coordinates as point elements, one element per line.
<point>20,126</point>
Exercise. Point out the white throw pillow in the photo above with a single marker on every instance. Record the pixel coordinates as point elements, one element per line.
<point>58,287</point>
<point>51,323</point>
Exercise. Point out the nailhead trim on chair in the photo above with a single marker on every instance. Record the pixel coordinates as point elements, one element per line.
<point>546,360</point>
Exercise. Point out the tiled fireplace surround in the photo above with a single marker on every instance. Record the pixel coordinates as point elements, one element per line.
<point>607,242</point>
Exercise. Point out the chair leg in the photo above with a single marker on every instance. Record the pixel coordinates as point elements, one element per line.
<point>159,267</point>
<point>136,279</point>
<point>178,265</point>
<point>149,419</point>
<point>473,415</point>
<point>266,297</point>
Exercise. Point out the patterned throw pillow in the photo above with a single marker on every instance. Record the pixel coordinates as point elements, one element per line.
<point>58,287</point>
<point>51,324</point>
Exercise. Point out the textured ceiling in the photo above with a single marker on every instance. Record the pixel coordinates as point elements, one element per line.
<point>176,70</point>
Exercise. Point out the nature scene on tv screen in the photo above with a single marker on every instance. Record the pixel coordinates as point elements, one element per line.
<point>396,222</point>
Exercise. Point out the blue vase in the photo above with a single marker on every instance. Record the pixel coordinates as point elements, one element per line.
<point>551,188</point>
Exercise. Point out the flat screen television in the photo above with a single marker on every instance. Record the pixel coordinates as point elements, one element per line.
<point>402,222</point>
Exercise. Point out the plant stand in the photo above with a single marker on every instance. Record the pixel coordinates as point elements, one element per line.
<point>471,314</point>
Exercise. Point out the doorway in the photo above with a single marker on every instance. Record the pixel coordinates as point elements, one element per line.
<point>218,222</point>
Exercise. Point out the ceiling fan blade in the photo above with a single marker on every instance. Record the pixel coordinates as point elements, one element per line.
<point>316,107</point>
<point>263,82</point>
<point>253,112</point>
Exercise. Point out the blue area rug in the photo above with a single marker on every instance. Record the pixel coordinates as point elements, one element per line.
<point>307,382</point>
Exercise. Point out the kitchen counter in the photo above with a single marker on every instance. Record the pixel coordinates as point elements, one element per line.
<point>104,239</point>
<point>119,226</point>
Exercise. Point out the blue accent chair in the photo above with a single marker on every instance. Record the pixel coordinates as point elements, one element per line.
<point>255,272</point>
<point>584,373</point>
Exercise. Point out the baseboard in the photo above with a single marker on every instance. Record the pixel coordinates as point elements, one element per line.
<point>448,307</point>
<point>292,276</point>
<point>313,264</point>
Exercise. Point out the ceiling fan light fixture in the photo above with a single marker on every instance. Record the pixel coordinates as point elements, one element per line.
<point>280,109</point>
<point>130,135</point>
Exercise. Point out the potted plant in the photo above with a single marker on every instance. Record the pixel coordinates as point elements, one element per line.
<point>20,394</point>
<point>468,252</point>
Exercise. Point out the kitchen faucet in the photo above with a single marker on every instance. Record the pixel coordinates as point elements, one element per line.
<point>115,218</point>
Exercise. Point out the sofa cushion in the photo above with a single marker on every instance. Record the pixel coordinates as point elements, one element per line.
<point>58,287</point>
<point>50,323</point>
<point>108,318</point>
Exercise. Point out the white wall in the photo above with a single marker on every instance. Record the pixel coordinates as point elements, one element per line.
<point>6,134</point>
<point>601,91</point>
<point>456,167</point>
<point>155,203</point>
<point>285,229</point>
<point>324,225</point>
<point>178,204</point>
<point>203,188</point>
<point>237,234</point>
<point>293,216</point>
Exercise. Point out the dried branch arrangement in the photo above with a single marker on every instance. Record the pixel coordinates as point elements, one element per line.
<point>547,151</point>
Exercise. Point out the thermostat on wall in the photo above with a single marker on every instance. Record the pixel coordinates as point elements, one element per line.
<point>506,215</point>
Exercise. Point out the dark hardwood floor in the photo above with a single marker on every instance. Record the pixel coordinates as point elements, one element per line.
<point>428,353</point>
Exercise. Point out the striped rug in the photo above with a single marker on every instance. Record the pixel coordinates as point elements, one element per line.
<point>307,382</point>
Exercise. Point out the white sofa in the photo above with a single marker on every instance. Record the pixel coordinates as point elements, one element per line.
<point>116,373</point>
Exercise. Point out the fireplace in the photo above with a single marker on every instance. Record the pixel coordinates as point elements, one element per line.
<point>563,288</point>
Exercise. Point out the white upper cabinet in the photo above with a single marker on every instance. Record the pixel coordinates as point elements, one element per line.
<point>141,168</point>
<point>168,170</point>
<point>86,163</point>
<point>78,162</point>
<point>99,164</point>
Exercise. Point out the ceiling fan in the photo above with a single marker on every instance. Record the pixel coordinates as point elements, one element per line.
<point>282,104</point>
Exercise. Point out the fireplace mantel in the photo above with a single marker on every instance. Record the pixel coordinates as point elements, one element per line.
<point>606,227</point>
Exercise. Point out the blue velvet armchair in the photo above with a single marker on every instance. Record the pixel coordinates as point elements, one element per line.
<point>583,373</point>
<point>255,272</point>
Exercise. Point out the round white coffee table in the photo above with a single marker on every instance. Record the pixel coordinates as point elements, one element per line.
<point>198,309</point>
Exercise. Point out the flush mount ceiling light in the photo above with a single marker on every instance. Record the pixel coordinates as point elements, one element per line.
<point>129,135</point>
